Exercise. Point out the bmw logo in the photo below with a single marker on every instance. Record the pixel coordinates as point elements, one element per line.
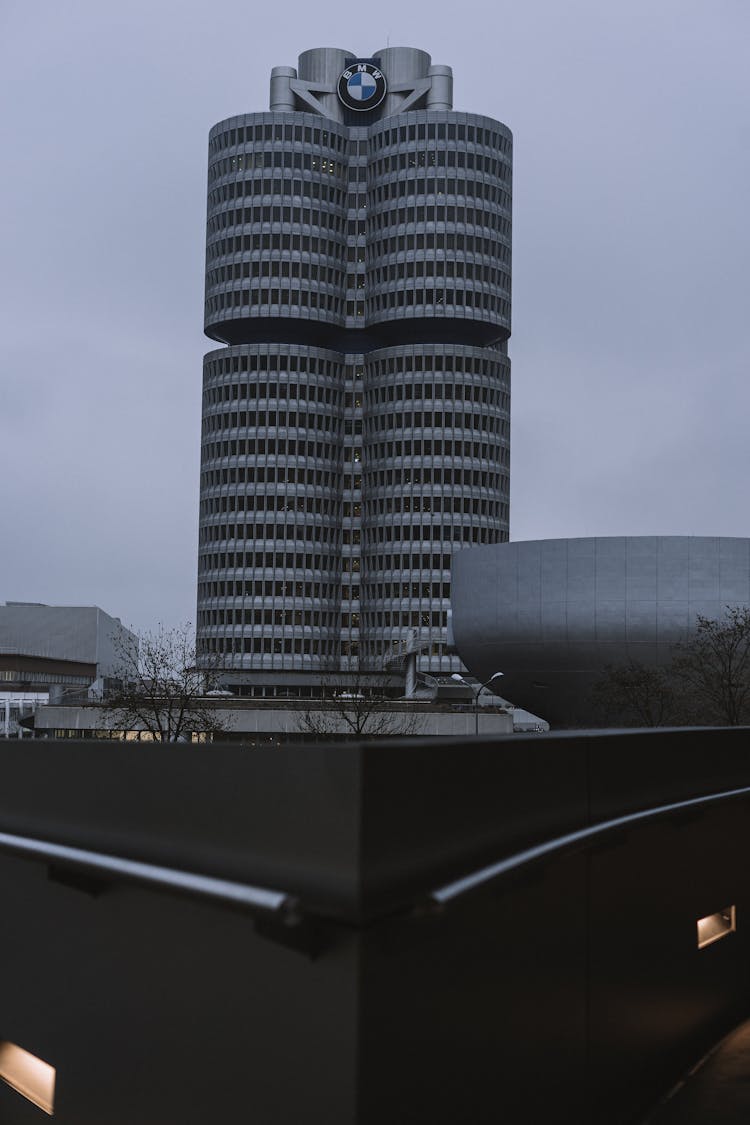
<point>362,86</point>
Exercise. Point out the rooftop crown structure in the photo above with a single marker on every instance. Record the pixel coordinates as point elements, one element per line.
<point>356,415</point>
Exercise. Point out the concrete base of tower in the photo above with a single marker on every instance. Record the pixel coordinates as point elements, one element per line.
<point>260,722</point>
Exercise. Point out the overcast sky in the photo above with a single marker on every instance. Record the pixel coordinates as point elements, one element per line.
<point>630,344</point>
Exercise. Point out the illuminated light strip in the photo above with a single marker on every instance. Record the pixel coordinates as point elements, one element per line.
<point>28,1075</point>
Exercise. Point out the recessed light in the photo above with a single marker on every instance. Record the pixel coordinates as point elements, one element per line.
<point>716,926</point>
<point>28,1075</point>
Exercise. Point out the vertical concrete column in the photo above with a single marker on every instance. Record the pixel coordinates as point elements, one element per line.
<point>282,97</point>
<point>440,94</point>
<point>321,68</point>
<point>401,66</point>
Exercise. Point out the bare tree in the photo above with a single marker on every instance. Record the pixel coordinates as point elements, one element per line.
<point>712,668</point>
<point>159,689</point>
<point>707,681</point>
<point>635,694</point>
<point>357,705</point>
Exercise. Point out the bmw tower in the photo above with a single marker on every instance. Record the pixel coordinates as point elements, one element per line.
<point>355,427</point>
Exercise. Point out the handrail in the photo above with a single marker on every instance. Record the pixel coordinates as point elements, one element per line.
<point>572,841</point>
<point>165,878</point>
<point>281,904</point>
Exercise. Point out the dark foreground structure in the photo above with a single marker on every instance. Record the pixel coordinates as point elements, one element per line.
<point>542,931</point>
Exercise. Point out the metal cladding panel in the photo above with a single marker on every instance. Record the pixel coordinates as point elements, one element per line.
<point>77,633</point>
<point>550,614</point>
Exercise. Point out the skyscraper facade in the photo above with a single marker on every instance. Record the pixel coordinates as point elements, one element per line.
<point>356,416</point>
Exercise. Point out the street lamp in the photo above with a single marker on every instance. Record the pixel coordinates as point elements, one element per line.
<point>459,679</point>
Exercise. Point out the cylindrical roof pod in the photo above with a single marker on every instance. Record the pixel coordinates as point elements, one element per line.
<point>440,94</point>
<point>324,66</point>
<point>400,65</point>
<point>282,97</point>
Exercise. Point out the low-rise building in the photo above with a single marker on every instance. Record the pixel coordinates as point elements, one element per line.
<point>52,650</point>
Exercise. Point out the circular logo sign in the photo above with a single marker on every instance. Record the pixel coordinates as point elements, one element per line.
<point>362,86</point>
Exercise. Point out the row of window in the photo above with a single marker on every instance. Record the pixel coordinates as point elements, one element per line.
<point>441,299</point>
<point>331,478</point>
<point>279,559</point>
<point>377,648</point>
<point>421,213</point>
<point>317,299</point>
<point>250,389</point>
<point>448,420</point>
<point>411,563</point>
<point>388,619</point>
<point>376,275</point>
<point>278,502</point>
<point>436,475</point>
<point>433,447</point>
<point>446,190</point>
<point>311,618</point>
<point>39,675</point>
<point>260,132</point>
<point>436,267</point>
<point>374,420</point>
<point>382,387</point>
<point>292,447</point>
<point>299,646</point>
<point>310,160</point>
<point>440,131</point>
<point>296,298</point>
<point>305,419</point>
<point>461,244</point>
<point>244,533</point>
<point>284,161</point>
<point>264,270</point>
<point>275,285</point>
<point>451,505</point>
<point>433,505</point>
<point>304,270</point>
<point>382,478</point>
<point>304,618</point>
<point>308,192</point>
<point>486,363</point>
<point>290,474</point>
<point>274,588</point>
<point>300,216</point>
<point>382,590</point>
<point>266,358</point>
<point>403,398</point>
<point>273,560</point>
<point>288,158</point>
<point>325,245</point>
<point>374,224</point>
<point>324,592</point>
<point>434,532</point>
<point>302,191</point>
<point>315,245</point>
<point>377,451</point>
<point>401,161</point>
<point>245,475</point>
